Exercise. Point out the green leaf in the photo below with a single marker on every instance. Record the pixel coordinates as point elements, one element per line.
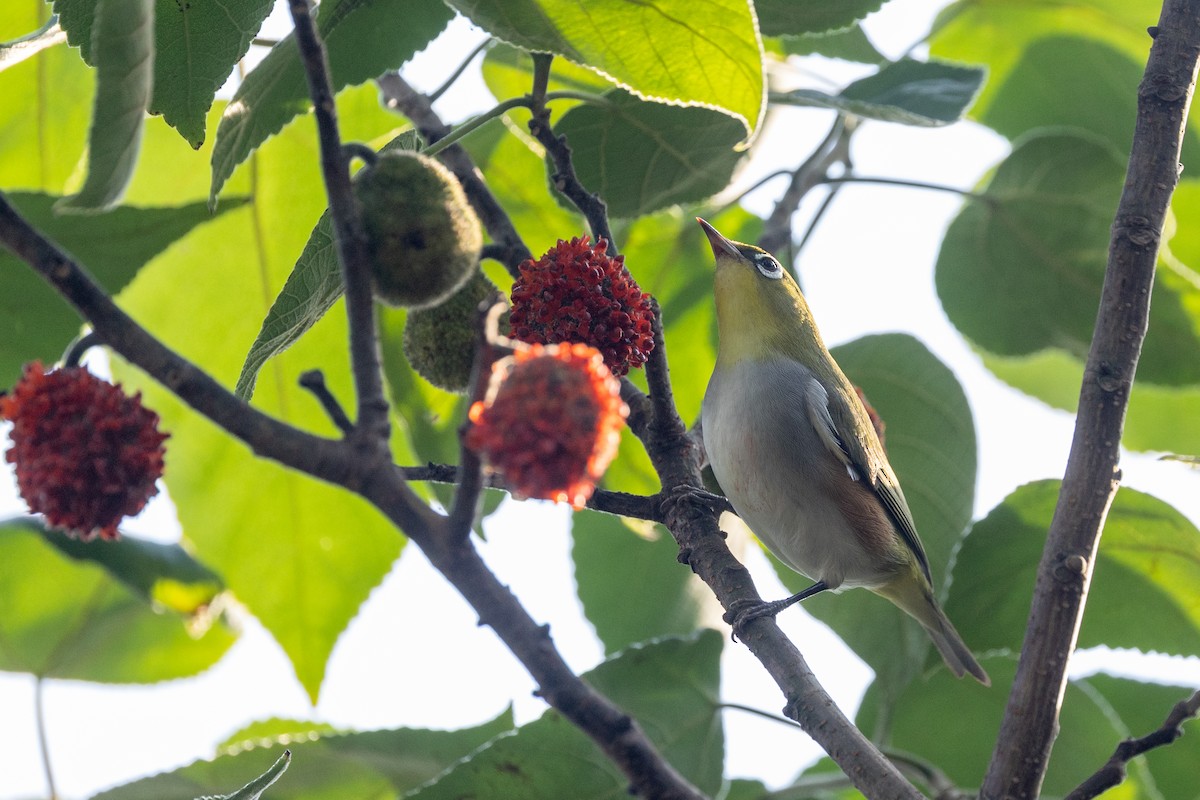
<point>123,52</point>
<point>300,554</point>
<point>1086,739</point>
<point>163,574</point>
<point>196,44</point>
<point>282,731</point>
<point>508,72</point>
<point>655,596</point>
<point>850,44</point>
<point>35,323</point>
<point>1148,550</point>
<point>1023,270</point>
<point>363,39</point>
<point>17,50</point>
<point>795,17</point>
<point>1159,418</point>
<point>374,764</point>
<point>640,156</point>
<point>1140,709</point>
<point>672,51</point>
<point>1095,87</point>
<point>254,789</point>
<point>670,687</point>
<point>311,290</point>
<point>927,94</point>
<point>93,626</point>
<point>47,102</point>
<point>996,33</point>
<point>930,441</point>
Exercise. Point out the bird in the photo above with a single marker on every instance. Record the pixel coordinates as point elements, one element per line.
<point>795,453</point>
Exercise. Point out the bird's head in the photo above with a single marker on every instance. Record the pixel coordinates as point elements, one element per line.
<point>760,309</point>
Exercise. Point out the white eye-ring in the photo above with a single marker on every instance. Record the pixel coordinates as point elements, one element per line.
<point>768,266</point>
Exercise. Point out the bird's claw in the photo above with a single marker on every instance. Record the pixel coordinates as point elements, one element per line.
<point>743,612</point>
<point>715,503</point>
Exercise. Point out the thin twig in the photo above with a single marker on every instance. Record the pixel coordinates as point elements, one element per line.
<point>314,381</point>
<point>402,97</point>
<point>475,123</point>
<point>470,476</point>
<point>462,67</point>
<point>79,348</point>
<point>620,503</point>
<point>1031,718</point>
<point>589,204</point>
<point>777,233</point>
<point>658,379</point>
<point>39,713</point>
<point>372,422</point>
<point>1113,771</point>
<point>936,187</point>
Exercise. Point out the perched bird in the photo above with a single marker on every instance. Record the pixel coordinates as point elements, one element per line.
<point>793,448</point>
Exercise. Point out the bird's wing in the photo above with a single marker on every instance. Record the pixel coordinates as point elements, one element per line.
<point>863,456</point>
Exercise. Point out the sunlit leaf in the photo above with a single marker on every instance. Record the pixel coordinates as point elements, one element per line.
<point>928,94</point>
<point>672,51</point>
<point>123,52</point>
<point>640,157</point>
<point>312,288</point>
<point>35,323</point>
<point>850,44</point>
<point>795,17</point>
<point>363,39</point>
<point>93,626</point>
<point>44,116</point>
<point>325,764</point>
<point>196,46</point>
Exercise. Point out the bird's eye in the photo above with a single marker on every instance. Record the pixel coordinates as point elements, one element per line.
<point>768,266</point>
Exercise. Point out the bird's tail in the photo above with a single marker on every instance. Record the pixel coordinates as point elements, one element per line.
<point>915,598</point>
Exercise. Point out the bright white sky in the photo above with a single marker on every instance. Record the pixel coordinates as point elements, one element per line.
<point>385,673</point>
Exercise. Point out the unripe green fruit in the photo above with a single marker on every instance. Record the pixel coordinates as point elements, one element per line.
<point>440,342</point>
<point>423,236</point>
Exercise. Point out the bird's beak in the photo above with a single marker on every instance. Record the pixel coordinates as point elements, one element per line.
<point>719,244</point>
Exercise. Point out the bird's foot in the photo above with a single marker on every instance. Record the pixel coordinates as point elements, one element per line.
<point>715,503</point>
<point>741,614</point>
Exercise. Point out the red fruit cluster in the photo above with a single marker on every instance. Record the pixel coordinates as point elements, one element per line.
<point>551,422</point>
<point>86,455</point>
<point>577,293</point>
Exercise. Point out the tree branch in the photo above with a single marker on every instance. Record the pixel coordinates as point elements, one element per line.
<point>1031,717</point>
<point>372,427</point>
<point>1113,771</point>
<point>614,731</point>
<point>589,204</point>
